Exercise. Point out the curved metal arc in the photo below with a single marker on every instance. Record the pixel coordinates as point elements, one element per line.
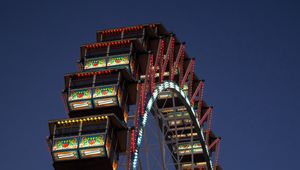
<point>172,86</point>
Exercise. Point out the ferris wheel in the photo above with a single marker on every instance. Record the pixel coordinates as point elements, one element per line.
<point>136,103</point>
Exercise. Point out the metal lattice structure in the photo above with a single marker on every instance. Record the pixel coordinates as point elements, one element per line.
<point>136,103</point>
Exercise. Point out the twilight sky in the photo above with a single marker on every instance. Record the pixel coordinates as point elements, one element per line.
<point>247,51</point>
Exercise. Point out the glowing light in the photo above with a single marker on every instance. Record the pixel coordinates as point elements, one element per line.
<point>155,94</point>
<point>68,155</point>
<point>80,105</point>
<point>93,152</point>
<point>150,102</point>
<point>103,102</point>
<point>65,155</point>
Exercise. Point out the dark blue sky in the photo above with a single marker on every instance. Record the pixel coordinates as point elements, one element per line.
<point>248,53</point>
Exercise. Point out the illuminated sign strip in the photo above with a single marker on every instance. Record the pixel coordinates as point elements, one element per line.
<point>80,94</point>
<point>199,164</point>
<point>81,105</point>
<point>65,155</point>
<point>104,62</point>
<point>104,91</point>
<point>118,60</point>
<point>103,102</point>
<point>65,144</point>
<point>95,152</point>
<point>91,141</point>
<point>95,63</point>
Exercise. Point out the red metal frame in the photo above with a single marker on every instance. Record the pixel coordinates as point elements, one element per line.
<point>176,64</point>
<point>191,79</point>
<point>216,144</point>
<point>165,59</point>
<point>206,114</point>
<point>198,91</point>
<point>159,54</point>
<point>187,72</point>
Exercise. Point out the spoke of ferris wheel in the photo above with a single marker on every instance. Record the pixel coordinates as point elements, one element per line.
<point>162,146</point>
<point>153,157</point>
<point>160,140</point>
<point>147,150</point>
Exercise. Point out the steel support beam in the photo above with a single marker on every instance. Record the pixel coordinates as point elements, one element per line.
<point>205,115</point>
<point>177,59</point>
<point>166,57</point>
<point>197,90</point>
<point>214,143</point>
<point>188,70</point>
